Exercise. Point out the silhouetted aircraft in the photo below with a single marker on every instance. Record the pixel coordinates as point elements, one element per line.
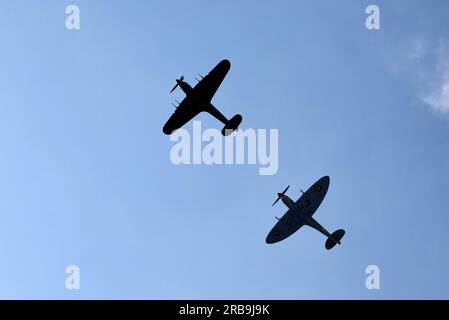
<point>300,213</point>
<point>199,98</point>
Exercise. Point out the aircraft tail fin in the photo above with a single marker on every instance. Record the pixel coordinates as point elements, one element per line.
<point>232,125</point>
<point>334,239</point>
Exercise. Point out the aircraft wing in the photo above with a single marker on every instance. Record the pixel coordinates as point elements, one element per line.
<point>185,112</point>
<point>312,198</point>
<point>286,226</point>
<point>209,85</point>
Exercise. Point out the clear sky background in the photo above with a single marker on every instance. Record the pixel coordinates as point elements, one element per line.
<point>86,177</point>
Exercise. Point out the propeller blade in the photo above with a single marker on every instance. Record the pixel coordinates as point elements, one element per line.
<point>176,85</point>
<point>280,195</point>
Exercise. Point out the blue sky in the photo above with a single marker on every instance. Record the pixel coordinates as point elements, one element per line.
<point>86,174</point>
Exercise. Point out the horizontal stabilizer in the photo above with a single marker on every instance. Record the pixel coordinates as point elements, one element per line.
<point>334,239</point>
<point>232,125</point>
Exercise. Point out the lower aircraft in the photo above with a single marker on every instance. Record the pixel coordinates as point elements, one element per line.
<point>300,214</point>
<point>198,99</point>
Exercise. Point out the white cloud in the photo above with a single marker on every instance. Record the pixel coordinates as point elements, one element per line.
<point>430,65</point>
<point>418,49</point>
<point>439,98</point>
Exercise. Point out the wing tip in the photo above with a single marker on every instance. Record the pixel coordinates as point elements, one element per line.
<point>225,63</point>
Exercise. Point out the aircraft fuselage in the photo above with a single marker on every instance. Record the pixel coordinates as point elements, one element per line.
<point>198,99</point>
<point>300,213</point>
<point>304,218</point>
<point>200,102</point>
<point>187,88</point>
<point>287,201</point>
<point>192,96</point>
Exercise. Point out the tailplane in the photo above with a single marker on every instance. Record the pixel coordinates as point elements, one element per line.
<point>232,125</point>
<point>334,239</point>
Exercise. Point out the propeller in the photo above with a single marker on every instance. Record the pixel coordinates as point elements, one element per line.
<point>280,195</point>
<point>177,83</point>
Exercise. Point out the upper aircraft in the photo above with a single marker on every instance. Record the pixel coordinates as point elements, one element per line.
<point>300,213</point>
<point>199,98</point>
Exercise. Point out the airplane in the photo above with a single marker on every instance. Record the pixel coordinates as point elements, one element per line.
<point>300,213</point>
<point>198,99</point>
